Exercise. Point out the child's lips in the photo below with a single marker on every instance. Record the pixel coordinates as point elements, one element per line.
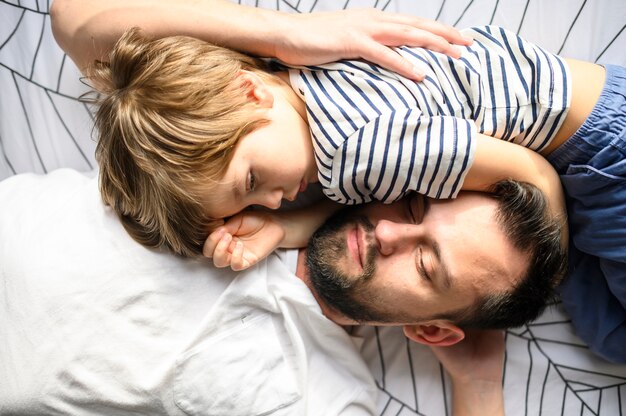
<point>303,185</point>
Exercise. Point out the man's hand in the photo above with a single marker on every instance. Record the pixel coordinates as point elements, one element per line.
<point>475,366</point>
<point>244,239</point>
<point>88,29</point>
<point>317,38</point>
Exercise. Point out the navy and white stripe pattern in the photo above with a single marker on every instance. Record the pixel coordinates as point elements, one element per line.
<point>377,135</point>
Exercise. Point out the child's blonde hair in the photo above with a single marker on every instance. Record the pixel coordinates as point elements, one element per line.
<point>168,120</point>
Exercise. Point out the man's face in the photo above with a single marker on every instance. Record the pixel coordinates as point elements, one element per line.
<point>415,260</point>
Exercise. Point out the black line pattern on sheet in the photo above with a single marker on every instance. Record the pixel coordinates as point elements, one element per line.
<point>380,356</point>
<point>60,72</point>
<point>413,380</point>
<point>387,403</point>
<point>14,29</point>
<point>537,376</point>
<point>89,112</point>
<point>463,13</point>
<point>443,4</point>
<point>521,23</point>
<point>38,85</point>
<point>493,14</point>
<point>550,375</point>
<point>442,376</point>
<point>572,26</point>
<point>25,8</point>
<point>569,386</point>
<point>28,122</point>
<point>27,76</point>
<point>6,159</point>
<point>544,384</point>
<point>69,132</point>
<point>291,7</point>
<point>610,43</point>
<point>530,369</point>
<point>43,27</point>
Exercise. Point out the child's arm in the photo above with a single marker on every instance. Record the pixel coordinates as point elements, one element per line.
<point>250,236</point>
<point>496,159</point>
<point>87,30</point>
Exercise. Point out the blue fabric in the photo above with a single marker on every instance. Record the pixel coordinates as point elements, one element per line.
<point>592,167</point>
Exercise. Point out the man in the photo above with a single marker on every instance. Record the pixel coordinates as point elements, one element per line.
<point>482,261</point>
<point>94,323</point>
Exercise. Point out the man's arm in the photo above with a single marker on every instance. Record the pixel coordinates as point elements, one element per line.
<point>87,29</point>
<point>475,366</point>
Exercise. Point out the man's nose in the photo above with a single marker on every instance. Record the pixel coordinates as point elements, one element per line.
<point>393,237</point>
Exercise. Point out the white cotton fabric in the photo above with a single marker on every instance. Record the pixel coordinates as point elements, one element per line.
<point>92,323</point>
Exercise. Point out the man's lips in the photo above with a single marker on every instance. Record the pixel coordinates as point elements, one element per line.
<point>356,245</point>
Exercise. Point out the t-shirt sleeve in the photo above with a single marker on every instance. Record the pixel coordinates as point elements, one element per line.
<point>401,151</point>
<point>525,91</point>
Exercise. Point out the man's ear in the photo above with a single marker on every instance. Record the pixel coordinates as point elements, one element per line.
<point>255,88</point>
<point>439,333</point>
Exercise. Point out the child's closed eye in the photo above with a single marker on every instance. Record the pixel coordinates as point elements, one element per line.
<point>251,182</point>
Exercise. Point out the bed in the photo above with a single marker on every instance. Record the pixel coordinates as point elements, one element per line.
<point>548,370</point>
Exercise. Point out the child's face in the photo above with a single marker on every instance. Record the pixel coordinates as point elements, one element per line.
<point>274,162</point>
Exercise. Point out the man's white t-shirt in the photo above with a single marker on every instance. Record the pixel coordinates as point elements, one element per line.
<point>92,323</point>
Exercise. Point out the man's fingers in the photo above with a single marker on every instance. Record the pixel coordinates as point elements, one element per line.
<point>391,60</point>
<point>374,50</point>
<point>412,36</point>
<point>449,33</point>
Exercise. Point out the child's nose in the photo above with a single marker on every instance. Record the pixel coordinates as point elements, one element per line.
<point>272,199</point>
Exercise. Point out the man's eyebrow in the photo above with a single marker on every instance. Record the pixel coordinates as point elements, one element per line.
<point>443,269</point>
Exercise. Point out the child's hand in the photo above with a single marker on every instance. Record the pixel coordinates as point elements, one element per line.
<point>244,239</point>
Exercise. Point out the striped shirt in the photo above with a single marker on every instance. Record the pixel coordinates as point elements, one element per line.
<point>378,135</point>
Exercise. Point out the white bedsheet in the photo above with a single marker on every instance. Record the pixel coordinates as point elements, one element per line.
<point>548,370</point>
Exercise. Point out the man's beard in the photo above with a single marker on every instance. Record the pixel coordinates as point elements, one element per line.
<point>347,294</point>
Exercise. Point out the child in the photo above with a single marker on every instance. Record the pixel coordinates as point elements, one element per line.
<point>206,132</point>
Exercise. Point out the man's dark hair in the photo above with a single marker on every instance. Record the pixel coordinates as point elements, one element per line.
<point>523,216</point>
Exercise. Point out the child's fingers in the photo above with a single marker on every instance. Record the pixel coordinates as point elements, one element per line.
<point>221,255</point>
<point>211,242</point>
<point>237,260</point>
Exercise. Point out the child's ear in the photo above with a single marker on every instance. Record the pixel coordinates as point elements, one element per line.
<point>439,333</point>
<point>255,88</point>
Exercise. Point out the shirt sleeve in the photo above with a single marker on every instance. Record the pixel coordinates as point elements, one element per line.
<point>401,151</point>
<point>524,90</point>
